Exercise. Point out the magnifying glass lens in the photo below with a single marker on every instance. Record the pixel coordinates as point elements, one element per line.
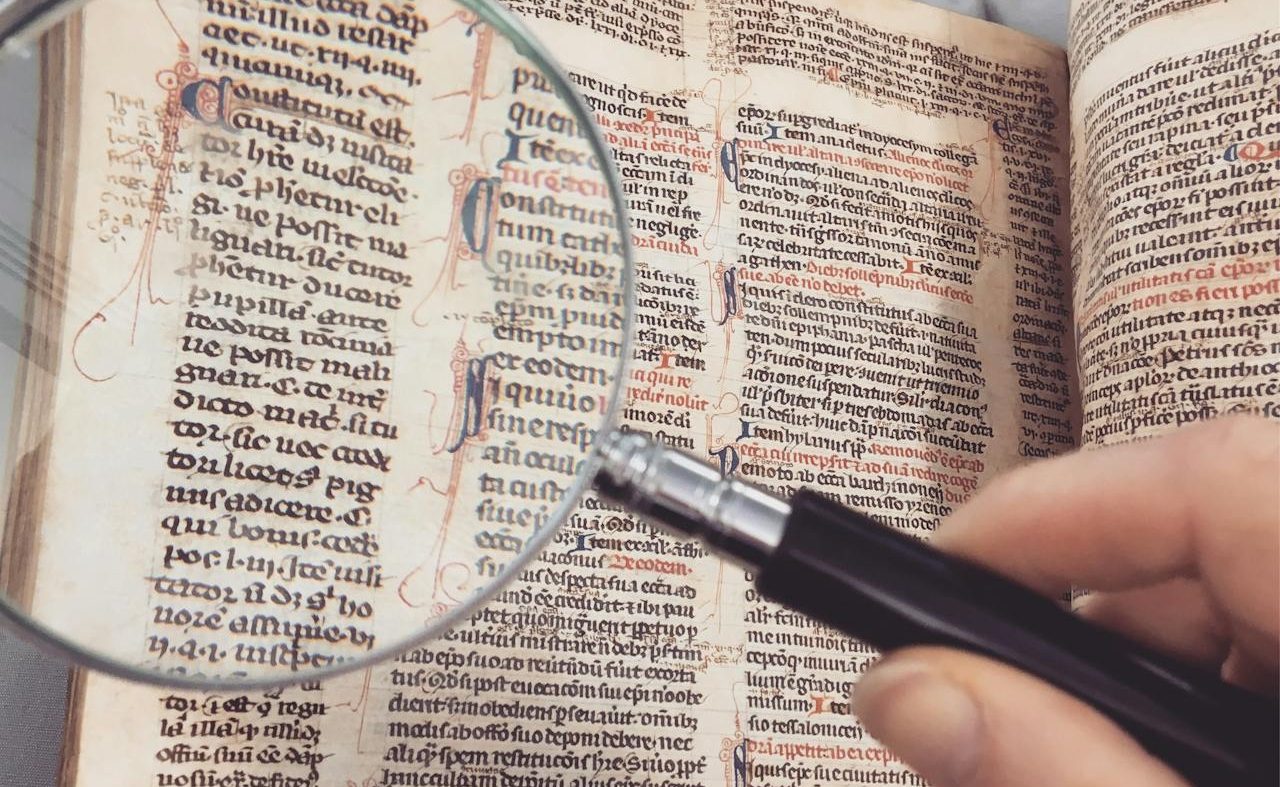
<point>311,316</point>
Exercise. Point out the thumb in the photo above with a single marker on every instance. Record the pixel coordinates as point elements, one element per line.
<point>965,721</point>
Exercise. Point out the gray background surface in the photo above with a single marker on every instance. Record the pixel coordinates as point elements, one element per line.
<point>32,685</point>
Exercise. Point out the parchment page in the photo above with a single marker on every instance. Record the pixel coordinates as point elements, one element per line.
<point>1176,214</point>
<point>851,234</point>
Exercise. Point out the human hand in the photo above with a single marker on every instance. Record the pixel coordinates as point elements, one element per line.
<point>1180,539</point>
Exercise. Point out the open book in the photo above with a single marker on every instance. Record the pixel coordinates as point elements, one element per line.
<point>883,251</point>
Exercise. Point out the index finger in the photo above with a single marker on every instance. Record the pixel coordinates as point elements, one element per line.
<point>1202,502</point>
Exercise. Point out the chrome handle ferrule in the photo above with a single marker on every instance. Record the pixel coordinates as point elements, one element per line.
<point>686,495</point>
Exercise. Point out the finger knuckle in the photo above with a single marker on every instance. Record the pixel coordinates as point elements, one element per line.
<point>1014,485</point>
<point>1243,442</point>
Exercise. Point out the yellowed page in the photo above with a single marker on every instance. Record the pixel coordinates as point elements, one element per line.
<point>851,275</point>
<point>1176,218</point>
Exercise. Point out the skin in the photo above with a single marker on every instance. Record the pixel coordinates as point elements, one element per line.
<point>1178,537</point>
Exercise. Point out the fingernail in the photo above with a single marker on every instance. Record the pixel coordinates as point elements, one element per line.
<point>926,719</point>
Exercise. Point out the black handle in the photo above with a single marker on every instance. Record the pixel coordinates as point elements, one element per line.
<point>890,590</point>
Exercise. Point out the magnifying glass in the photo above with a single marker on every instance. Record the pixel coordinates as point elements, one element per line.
<point>315,317</point>
<point>322,342</point>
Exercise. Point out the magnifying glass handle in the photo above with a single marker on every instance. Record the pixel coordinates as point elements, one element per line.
<point>890,590</point>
